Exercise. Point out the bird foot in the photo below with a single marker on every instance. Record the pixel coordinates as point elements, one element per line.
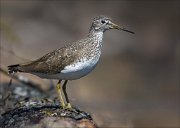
<point>69,107</point>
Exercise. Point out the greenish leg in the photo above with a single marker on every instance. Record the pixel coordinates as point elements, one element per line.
<point>58,87</point>
<point>65,94</point>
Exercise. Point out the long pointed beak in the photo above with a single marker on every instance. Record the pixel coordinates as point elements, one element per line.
<point>115,26</point>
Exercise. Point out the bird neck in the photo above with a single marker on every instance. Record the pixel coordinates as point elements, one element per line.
<point>96,35</point>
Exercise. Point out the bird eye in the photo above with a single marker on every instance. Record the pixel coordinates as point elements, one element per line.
<point>103,21</point>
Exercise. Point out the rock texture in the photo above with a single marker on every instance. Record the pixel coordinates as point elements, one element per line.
<point>45,116</point>
<point>38,112</point>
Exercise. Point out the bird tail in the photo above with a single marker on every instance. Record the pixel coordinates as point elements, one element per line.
<point>14,68</point>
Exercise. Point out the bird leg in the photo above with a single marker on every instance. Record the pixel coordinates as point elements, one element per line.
<point>58,87</point>
<point>65,94</point>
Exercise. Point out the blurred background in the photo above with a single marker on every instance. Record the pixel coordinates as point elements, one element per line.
<point>136,83</point>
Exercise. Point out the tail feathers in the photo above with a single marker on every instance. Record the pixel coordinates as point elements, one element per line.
<point>14,68</point>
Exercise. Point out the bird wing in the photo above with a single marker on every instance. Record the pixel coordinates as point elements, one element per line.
<point>52,62</point>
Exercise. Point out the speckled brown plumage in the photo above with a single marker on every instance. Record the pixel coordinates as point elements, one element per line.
<point>55,61</point>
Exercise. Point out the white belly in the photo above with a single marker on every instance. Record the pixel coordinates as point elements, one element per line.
<point>74,71</point>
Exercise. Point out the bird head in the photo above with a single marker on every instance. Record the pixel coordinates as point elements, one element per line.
<point>102,23</point>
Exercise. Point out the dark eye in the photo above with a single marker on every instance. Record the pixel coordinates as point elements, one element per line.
<point>103,21</point>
